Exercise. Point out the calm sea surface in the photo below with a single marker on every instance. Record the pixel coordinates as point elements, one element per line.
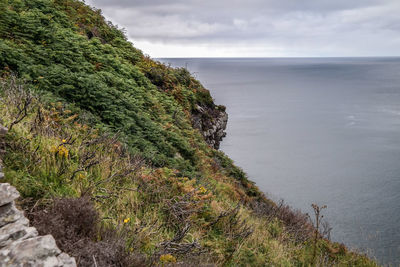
<point>320,130</point>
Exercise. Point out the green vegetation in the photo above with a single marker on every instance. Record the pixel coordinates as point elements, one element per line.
<point>93,118</point>
<point>65,48</point>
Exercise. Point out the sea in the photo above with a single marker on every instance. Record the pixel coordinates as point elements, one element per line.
<point>317,130</point>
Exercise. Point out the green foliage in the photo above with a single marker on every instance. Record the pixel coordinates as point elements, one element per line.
<point>68,49</point>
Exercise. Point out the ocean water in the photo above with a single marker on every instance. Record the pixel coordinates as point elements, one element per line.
<point>318,130</point>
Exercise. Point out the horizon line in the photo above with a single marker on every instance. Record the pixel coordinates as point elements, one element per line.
<point>271,57</point>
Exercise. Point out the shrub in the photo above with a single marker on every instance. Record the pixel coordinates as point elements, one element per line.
<point>74,223</point>
<point>296,223</point>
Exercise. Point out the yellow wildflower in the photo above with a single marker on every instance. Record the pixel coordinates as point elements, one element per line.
<point>63,151</point>
<point>64,141</point>
<point>54,149</point>
<point>167,258</point>
<point>202,189</point>
<point>127,220</point>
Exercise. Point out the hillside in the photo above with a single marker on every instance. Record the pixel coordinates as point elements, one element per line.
<point>115,154</point>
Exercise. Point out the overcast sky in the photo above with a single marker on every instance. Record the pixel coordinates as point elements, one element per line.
<point>258,28</point>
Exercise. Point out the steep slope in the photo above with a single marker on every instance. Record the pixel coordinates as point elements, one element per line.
<point>94,123</point>
<point>65,48</point>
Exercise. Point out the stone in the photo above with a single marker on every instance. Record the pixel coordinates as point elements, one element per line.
<point>37,251</point>
<point>9,214</point>
<point>23,221</point>
<point>18,230</point>
<point>211,122</point>
<point>66,261</point>
<point>8,194</point>
<point>3,131</point>
<point>51,261</point>
<point>20,244</point>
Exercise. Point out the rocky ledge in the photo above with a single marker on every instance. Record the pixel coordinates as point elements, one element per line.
<point>211,122</point>
<point>20,244</point>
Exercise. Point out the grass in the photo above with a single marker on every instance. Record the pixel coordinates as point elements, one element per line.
<point>161,215</point>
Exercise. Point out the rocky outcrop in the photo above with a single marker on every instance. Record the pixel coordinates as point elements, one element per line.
<point>211,122</point>
<point>20,244</point>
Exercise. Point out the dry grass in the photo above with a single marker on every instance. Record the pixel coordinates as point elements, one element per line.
<point>110,206</point>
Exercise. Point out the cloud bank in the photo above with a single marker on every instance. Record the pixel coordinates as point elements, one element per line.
<point>198,28</point>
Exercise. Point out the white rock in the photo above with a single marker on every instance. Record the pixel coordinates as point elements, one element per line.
<point>33,251</point>
<point>66,261</point>
<point>19,244</point>
<point>9,214</point>
<point>8,193</point>
<point>18,230</point>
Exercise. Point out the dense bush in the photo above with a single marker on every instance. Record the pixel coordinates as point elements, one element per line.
<point>75,224</point>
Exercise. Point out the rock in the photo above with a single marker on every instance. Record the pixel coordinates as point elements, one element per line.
<point>37,251</point>
<point>3,131</point>
<point>23,221</point>
<point>1,175</point>
<point>20,244</point>
<point>51,261</point>
<point>211,122</point>
<point>18,230</point>
<point>8,193</point>
<point>9,214</point>
<point>66,261</point>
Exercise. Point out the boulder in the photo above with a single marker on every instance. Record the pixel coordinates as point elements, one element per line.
<point>37,251</point>
<point>8,193</point>
<point>3,131</point>
<point>66,261</point>
<point>18,230</point>
<point>9,214</point>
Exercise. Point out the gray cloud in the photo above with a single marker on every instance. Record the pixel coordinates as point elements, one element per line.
<point>307,27</point>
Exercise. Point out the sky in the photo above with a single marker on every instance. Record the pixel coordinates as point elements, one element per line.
<point>258,28</point>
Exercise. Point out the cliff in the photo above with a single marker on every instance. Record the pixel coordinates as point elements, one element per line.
<point>114,154</point>
<point>211,122</point>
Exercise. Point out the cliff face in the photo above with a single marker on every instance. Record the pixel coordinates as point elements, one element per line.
<point>211,122</point>
<point>210,119</point>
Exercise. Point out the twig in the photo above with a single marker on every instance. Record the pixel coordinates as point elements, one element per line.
<point>94,260</point>
<point>22,112</point>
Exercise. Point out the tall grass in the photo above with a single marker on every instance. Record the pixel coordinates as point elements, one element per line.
<point>56,157</point>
